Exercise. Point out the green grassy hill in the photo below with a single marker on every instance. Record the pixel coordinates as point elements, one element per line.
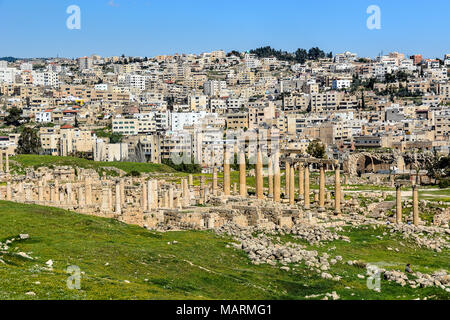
<point>120,261</point>
<point>25,161</point>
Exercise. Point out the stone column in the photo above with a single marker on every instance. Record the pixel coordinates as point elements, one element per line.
<point>81,198</point>
<point>69,193</point>
<point>202,182</point>
<point>88,188</point>
<point>306,196</point>
<point>187,193</point>
<point>171,206</point>
<point>176,200</point>
<point>287,179</point>
<point>226,174</point>
<point>415,192</point>
<point>155,193</point>
<point>205,194</point>
<point>110,198</point>
<point>214,186</point>
<point>150,201</point>
<point>144,195</point>
<point>20,195</point>
<point>292,185</point>
<point>28,190</point>
<point>8,191</point>
<point>52,194</point>
<point>346,179</point>
<point>270,176</point>
<point>191,180</point>
<point>122,191</point>
<point>276,179</point>
<point>118,201</point>
<point>40,192</point>
<point>337,190</point>
<point>105,198</point>
<point>7,162</point>
<point>201,199</point>
<point>1,161</point>
<point>301,180</point>
<point>61,196</point>
<point>259,176</point>
<point>242,176</point>
<point>322,188</point>
<point>398,191</point>
<point>166,199</point>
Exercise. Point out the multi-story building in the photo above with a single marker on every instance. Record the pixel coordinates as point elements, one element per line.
<point>323,102</point>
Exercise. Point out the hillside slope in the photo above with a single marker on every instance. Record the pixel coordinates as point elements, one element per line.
<point>119,261</point>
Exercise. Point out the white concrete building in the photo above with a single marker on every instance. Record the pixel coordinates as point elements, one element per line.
<point>214,88</point>
<point>26,66</point>
<point>46,79</point>
<point>109,152</point>
<point>7,75</point>
<point>101,87</point>
<point>43,116</point>
<point>179,120</point>
<point>133,81</point>
<point>341,84</point>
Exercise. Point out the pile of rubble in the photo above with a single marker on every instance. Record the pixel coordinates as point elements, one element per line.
<point>262,250</point>
<point>265,249</point>
<point>434,238</point>
<point>315,234</point>
<point>443,218</point>
<point>438,279</point>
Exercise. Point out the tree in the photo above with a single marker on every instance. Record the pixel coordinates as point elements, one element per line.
<point>315,54</point>
<point>233,53</point>
<point>363,100</point>
<point>29,142</point>
<point>191,167</point>
<point>301,55</point>
<point>14,116</point>
<point>316,149</point>
<point>438,167</point>
<point>115,138</point>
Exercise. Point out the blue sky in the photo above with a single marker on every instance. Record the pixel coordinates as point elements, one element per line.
<point>37,28</point>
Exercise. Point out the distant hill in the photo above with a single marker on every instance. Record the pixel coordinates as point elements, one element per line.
<point>9,59</point>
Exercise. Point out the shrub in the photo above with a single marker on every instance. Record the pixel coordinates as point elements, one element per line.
<point>444,183</point>
<point>134,173</point>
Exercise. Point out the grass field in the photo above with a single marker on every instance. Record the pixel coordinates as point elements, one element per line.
<point>25,161</point>
<point>120,261</point>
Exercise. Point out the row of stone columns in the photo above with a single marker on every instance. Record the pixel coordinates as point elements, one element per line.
<point>304,186</point>
<point>54,193</point>
<point>274,181</point>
